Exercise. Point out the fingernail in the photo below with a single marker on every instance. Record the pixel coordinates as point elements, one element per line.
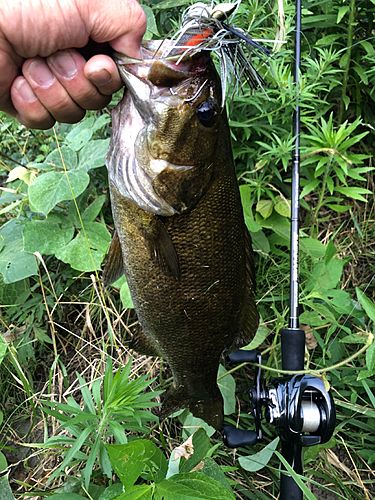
<point>41,74</point>
<point>100,77</point>
<point>25,91</point>
<point>64,64</point>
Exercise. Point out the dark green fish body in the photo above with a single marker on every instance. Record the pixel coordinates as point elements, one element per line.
<point>185,248</point>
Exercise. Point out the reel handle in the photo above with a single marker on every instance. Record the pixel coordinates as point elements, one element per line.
<point>234,438</point>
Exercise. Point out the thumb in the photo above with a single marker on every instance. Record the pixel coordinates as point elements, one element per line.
<point>121,23</point>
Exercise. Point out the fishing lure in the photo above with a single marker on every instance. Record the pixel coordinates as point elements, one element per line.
<point>209,27</point>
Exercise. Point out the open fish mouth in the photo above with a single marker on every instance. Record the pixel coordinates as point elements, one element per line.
<point>170,78</point>
<point>143,142</point>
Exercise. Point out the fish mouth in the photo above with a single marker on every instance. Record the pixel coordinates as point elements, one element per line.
<point>136,156</point>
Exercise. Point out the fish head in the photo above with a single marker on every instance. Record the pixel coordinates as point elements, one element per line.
<point>165,131</point>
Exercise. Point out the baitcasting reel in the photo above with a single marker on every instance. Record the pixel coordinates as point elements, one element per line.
<point>298,406</point>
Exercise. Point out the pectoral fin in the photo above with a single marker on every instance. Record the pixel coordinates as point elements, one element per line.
<point>160,246</point>
<point>114,267</point>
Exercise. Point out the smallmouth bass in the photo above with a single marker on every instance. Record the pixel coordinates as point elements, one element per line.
<point>180,238</point>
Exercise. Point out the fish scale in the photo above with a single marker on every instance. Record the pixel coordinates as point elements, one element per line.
<point>190,274</point>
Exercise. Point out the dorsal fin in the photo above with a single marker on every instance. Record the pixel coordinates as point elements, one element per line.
<point>114,267</point>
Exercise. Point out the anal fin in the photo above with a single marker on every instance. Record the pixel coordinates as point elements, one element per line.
<point>114,267</point>
<point>142,343</point>
<point>210,408</point>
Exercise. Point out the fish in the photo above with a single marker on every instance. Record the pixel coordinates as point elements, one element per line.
<point>180,235</point>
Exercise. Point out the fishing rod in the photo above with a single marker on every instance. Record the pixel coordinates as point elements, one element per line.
<point>297,405</point>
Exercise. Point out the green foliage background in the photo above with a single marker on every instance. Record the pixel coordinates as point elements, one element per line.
<point>55,226</point>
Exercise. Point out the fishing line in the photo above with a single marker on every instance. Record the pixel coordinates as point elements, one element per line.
<point>209,28</point>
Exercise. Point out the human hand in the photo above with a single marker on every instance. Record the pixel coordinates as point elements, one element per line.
<point>43,78</point>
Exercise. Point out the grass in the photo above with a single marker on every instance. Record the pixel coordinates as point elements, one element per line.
<point>64,323</point>
<point>81,344</point>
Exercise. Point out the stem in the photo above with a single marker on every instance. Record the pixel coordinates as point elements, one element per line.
<point>301,372</point>
<point>322,192</point>
<point>347,67</point>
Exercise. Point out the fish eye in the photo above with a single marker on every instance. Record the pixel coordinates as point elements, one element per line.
<point>206,113</point>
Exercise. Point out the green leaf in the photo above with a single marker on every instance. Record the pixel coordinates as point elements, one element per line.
<point>89,406</point>
<point>342,301</point>
<point>104,459</point>
<point>171,4</point>
<point>335,267</point>
<point>361,72</point>
<point>200,445</point>
<point>327,40</point>
<point>323,311</point>
<point>260,241</point>
<point>265,208</point>
<point>366,303</point>
<point>112,491</point>
<point>125,296</point>
<point>67,496</point>
<point>370,359</point>
<point>212,470</point>
<point>41,336</point>
<point>152,28</point>
<point>93,210</point>
<point>81,133</point>
<point>369,48</point>
<point>46,237</point>
<point>5,491</point>
<point>87,471</point>
<point>353,192</point>
<point>118,432</point>
<point>14,293</point>
<point>93,154</point>
<point>227,386</point>
<point>311,318</point>
<point>130,460</point>
<point>69,158</point>
<point>253,463</point>
<point>52,187</point>
<point>259,338</point>
<point>330,185</point>
<point>15,263</point>
<point>320,279</point>
<point>192,486</point>
<point>245,192</point>
<point>313,247</point>
<point>312,452</point>
<point>338,208</point>
<point>191,424</point>
<point>311,186</point>
<point>3,465</point>
<point>143,492</point>
<point>86,255</point>
<point>280,225</point>
<point>101,122</point>
<point>330,252</point>
<point>282,207</point>
<point>354,339</point>
<point>341,13</point>
<point>71,454</point>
